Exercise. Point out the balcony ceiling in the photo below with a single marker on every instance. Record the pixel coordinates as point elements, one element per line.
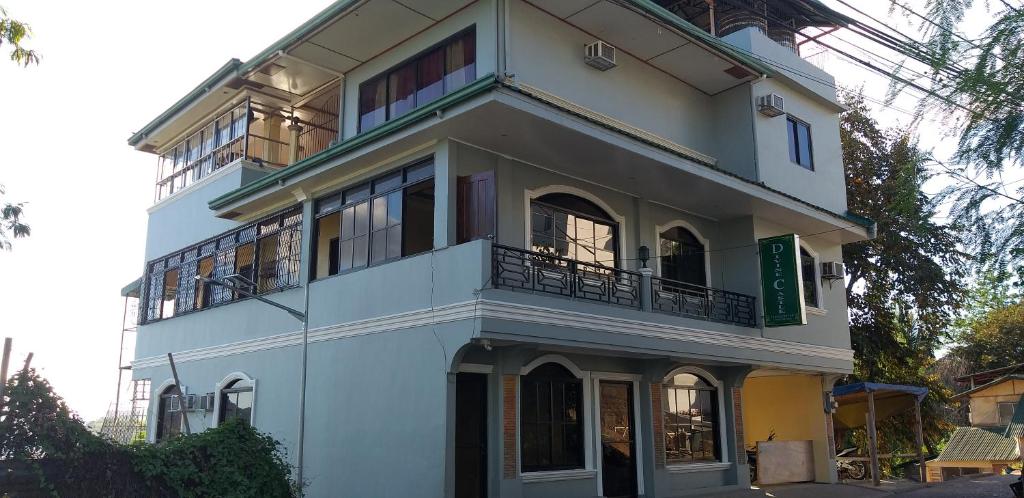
<point>630,31</point>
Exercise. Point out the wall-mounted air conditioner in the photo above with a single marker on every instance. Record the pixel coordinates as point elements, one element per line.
<point>833,270</point>
<point>189,402</point>
<point>771,105</point>
<point>174,403</point>
<point>206,402</point>
<point>599,55</point>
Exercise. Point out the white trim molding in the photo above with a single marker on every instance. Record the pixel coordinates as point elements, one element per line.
<point>720,395</point>
<point>530,194</point>
<point>500,310</point>
<point>818,309</point>
<point>552,358</point>
<point>154,408</point>
<point>244,379</point>
<point>638,439</point>
<point>659,229</point>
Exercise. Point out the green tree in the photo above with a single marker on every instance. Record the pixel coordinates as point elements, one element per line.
<point>904,287</point>
<point>990,333</point>
<point>11,224</point>
<point>15,33</point>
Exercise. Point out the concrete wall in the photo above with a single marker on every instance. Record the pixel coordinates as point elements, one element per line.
<point>985,403</point>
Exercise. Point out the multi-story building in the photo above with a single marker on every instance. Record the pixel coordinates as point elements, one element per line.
<point>991,443</point>
<point>530,262</point>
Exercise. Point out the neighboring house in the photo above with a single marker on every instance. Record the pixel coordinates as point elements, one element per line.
<point>465,196</point>
<point>997,421</point>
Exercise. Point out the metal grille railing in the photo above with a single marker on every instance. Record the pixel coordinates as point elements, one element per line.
<point>696,301</point>
<point>539,272</point>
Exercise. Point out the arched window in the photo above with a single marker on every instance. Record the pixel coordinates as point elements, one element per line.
<point>551,419</point>
<point>809,270</point>
<point>572,227</point>
<point>691,419</point>
<point>168,422</point>
<point>236,402</point>
<point>682,257</point>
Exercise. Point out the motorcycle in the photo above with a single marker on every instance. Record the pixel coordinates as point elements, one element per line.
<point>850,469</point>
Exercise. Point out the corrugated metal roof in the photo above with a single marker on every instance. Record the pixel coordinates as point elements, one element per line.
<point>1016,427</point>
<point>979,443</point>
<point>993,383</point>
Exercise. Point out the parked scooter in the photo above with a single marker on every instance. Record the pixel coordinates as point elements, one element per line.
<point>850,469</point>
<point>752,457</point>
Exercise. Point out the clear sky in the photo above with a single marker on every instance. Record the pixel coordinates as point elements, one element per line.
<point>109,67</point>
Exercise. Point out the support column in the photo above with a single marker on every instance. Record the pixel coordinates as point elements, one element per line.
<point>294,130</point>
<point>872,438</point>
<point>919,432</point>
<point>272,130</point>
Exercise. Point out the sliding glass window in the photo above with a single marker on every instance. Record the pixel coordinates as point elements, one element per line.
<point>418,81</point>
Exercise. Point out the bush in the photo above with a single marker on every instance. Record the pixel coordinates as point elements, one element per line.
<point>43,442</point>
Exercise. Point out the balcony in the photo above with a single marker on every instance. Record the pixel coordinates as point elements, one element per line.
<point>529,271</point>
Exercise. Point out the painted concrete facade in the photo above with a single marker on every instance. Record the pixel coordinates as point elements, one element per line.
<point>387,342</point>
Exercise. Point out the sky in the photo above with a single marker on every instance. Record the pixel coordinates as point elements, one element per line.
<point>108,68</point>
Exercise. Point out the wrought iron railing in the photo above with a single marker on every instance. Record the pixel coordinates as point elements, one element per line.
<point>538,272</point>
<point>696,301</point>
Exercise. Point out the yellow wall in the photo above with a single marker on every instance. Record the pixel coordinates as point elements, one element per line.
<point>792,406</point>
<point>984,411</point>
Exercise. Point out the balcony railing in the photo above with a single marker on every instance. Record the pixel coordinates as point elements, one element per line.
<point>518,269</point>
<point>705,303</point>
<point>533,271</point>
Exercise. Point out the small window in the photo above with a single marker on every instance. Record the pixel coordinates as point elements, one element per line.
<point>809,271</point>
<point>691,419</point>
<point>682,257</point>
<point>800,151</point>
<point>204,290</point>
<point>236,402</point>
<point>551,419</point>
<point>1006,412</point>
<point>168,421</point>
<point>170,293</point>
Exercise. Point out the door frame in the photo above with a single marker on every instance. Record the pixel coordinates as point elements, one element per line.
<point>638,447</point>
<point>485,371</point>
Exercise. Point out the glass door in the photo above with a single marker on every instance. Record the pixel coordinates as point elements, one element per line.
<point>618,440</point>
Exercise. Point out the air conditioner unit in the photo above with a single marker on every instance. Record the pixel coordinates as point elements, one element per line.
<point>206,402</point>
<point>771,105</point>
<point>189,402</point>
<point>174,402</point>
<point>833,271</point>
<point>600,55</point>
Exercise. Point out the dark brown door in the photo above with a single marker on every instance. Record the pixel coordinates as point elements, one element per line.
<point>477,207</point>
<point>618,440</point>
<point>470,435</point>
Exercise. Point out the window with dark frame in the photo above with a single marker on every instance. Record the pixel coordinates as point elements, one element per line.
<point>418,81</point>
<point>386,218</point>
<point>551,419</point>
<point>682,257</point>
<point>691,420</point>
<point>168,422</point>
<point>236,402</point>
<point>799,136</point>
<point>572,227</point>
<point>265,252</point>
<point>809,272</point>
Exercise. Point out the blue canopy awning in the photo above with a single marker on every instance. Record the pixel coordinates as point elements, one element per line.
<point>890,399</point>
<point>866,387</point>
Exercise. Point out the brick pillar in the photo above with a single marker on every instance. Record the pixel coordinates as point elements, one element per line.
<point>658,425</point>
<point>737,411</point>
<point>508,384</point>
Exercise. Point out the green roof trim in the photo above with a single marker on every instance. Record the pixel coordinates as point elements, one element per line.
<point>479,86</point>
<point>227,69</point>
<point>969,444</point>
<point>132,289</point>
<point>1016,427</point>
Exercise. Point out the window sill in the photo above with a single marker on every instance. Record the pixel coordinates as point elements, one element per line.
<point>814,310</point>
<point>686,468</point>
<point>558,475</point>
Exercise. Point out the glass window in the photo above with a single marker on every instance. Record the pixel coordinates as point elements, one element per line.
<point>691,419</point>
<point>799,135</point>
<point>397,221</point>
<point>551,419</point>
<point>682,257</point>
<point>372,103</point>
<point>1006,412</point>
<point>416,82</point>
<point>571,227</point>
<point>170,293</point>
<point>810,278</point>
<point>236,402</point>
<point>460,63</point>
<point>168,422</point>
<point>204,290</point>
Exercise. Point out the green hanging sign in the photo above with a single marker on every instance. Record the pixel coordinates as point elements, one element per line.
<point>781,281</point>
